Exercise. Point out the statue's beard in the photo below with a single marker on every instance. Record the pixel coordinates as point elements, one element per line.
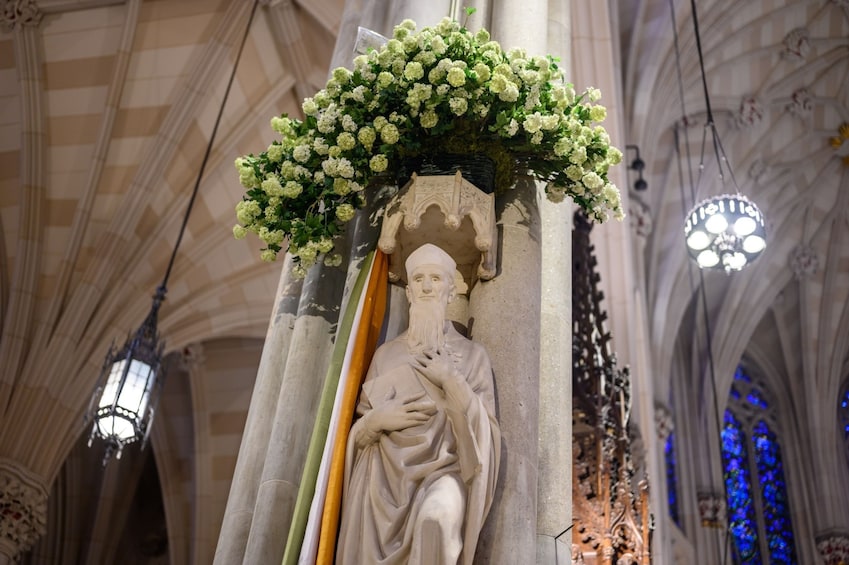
<point>427,327</point>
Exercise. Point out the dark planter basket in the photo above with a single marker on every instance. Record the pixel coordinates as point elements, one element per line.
<point>477,169</point>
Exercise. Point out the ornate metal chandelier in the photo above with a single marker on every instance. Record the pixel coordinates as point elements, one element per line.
<point>725,232</point>
<point>128,390</point>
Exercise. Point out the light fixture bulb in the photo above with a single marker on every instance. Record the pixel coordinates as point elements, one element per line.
<point>725,232</point>
<point>698,240</point>
<point>744,226</point>
<point>708,258</point>
<point>716,223</point>
<point>116,426</point>
<point>754,244</point>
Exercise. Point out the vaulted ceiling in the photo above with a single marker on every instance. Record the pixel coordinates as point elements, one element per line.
<point>778,81</point>
<point>106,111</point>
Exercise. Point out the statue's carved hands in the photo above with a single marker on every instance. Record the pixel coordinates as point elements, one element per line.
<point>437,367</point>
<point>399,414</point>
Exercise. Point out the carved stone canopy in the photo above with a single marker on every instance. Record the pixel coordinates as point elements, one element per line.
<point>447,211</point>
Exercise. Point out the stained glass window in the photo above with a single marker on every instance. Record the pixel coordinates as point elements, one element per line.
<point>773,494</point>
<point>671,477</point>
<point>741,512</point>
<point>758,507</point>
<point>844,412</point>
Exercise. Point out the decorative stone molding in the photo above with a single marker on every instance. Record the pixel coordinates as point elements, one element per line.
<point>801,104</point>
<point>641,220</point>
<point>23,508</point>
<point>804,261</point>
<point>445,210</point>
<point>750,114</point>
<point>841,3</point>
<point>797,45</point>
<point>834,548</point>
<point>712,510</point>
<point>16,13</point>
<point>663,422</point>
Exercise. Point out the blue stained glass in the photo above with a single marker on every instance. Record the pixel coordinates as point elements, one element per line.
<point>844,406</point>
<point>741,513</point>
<point>756,399</point>
<point>779,532</point>
<point>735,394</point>
<point>671,477</point>
<point>741,375</point>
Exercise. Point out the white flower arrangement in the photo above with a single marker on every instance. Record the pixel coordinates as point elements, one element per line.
<point>440,89</point>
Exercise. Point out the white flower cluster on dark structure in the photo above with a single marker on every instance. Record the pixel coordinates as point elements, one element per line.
<point>438,89</point>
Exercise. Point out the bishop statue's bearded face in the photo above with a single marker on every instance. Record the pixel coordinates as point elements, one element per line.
<point>429,290</point>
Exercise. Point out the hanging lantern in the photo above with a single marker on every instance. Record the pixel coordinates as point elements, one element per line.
<point>123,404</point>
<point>725,232</point>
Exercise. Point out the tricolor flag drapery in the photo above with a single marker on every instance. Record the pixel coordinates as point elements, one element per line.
<point>312,535</point>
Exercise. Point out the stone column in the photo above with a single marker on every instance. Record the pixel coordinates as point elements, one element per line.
<point>554,489</point>
<point>713,516</point>
<point>280,418</point>
<point>23,493</point>
<point>505,319</point>
<point>23,510</point>
<point>542,396</point>
<point>664,425</point>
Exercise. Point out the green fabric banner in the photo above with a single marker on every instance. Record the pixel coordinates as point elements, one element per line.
<point>306,490</point>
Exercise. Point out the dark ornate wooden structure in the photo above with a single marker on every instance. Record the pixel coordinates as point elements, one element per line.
<point>612,525</point>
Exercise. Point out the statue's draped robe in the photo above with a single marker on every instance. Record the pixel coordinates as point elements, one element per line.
<point>386,481</point>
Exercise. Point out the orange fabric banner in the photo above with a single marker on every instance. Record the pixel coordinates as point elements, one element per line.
<point>367,334</point>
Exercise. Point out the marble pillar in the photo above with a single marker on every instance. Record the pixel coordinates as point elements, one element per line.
<point>541,27</point>
<point>303,374</point>
<point>554,507</point>
<point>505,319</point>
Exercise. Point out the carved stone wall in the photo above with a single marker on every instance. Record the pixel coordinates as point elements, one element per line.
<point>23,508</point>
